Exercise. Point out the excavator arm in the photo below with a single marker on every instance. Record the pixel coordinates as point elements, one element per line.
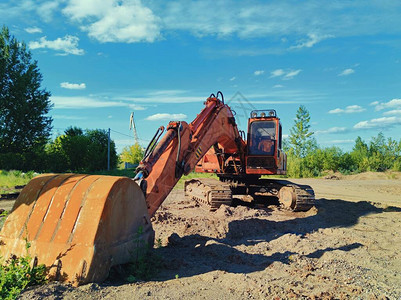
<point>183,145</point>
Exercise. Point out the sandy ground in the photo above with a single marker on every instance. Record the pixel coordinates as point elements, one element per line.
<point>347,247</point>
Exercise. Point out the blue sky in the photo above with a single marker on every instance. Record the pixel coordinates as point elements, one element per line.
<point>103,59</point>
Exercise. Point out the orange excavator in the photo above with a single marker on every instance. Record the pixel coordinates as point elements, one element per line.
<point>80,226</point>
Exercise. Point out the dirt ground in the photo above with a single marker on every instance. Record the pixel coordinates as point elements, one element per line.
<point>347,247</point>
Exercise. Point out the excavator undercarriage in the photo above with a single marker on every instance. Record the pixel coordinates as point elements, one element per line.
<point>211,193</point>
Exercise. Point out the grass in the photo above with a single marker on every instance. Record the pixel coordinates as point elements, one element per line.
<point>9,179</point>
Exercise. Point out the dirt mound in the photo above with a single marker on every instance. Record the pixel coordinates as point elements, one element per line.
<point>374,176</point>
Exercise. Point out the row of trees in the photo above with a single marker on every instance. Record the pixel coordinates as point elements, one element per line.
<point>83,151</point>
<point>76,151</point>
<point>307,159</point>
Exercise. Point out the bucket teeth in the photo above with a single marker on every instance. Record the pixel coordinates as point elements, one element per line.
<point>77,225</point>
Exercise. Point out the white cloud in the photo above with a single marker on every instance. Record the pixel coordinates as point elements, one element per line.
<point>336,130</point>
<point>311,41</point>
<point>34,9</point>
<point>148,99</point>
<point>115,21</point>
<point>336,111</point>
<point>394,103</point>
<point>292,74</point>
<point>332,130</point>
<point>164,96</point>
<point>379,123</point>
<point>66,45</point>
<point>280,96</point>
<point>136,107</point>
<point>258,72</point>
<point>339,142</point>
<point>346,72</point>
<point>233,78</point>
<point>277,73</point>
<point>392,112</point>
<point>348,110</point>
<point>166,93</point>
<point>249,19</point>
<point>166,117</point>
<point>73,86</point>
<point>278,86</point>
<point>135,20</point>
<point>61,102</point>
<point>33,30</point>
<point>47,9</point>
<point>69,117</point>
<point>285,74</point>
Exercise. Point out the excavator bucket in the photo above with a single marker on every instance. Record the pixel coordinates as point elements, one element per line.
<point>78,225</point>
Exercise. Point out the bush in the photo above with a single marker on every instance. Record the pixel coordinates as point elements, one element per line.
<point>16,274</point>
<point>397,165</point>
<point>294,166</point>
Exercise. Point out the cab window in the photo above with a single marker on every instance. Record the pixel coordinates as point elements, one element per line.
<point>262,138</point>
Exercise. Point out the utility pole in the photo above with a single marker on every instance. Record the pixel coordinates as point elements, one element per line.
<point>108,152</point>
<point>133,127</point>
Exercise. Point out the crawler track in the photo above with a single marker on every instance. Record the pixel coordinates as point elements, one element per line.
<point>209,193</point>
<point>299,197</point>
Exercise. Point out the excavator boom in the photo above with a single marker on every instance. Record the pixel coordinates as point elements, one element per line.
<point>183,146</point>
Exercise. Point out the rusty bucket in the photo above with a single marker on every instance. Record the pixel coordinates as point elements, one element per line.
<point>77,225</point>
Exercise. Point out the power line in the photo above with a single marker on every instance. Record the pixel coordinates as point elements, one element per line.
<point>120,133</point>
<point>128,135</point>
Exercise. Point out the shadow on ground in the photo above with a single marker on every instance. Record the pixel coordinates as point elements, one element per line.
<point>196,254</point>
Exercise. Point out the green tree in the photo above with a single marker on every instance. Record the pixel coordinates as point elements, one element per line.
<point>360,155</point>
<point>81,151</point>
<point>97,150</point>
<point>24,126</point>
<point>132,154</point>
<point>69,151</point>
<point>74,145</point>
<point>300,139</point>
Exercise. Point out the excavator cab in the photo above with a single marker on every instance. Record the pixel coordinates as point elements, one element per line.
<point>264,148</point>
